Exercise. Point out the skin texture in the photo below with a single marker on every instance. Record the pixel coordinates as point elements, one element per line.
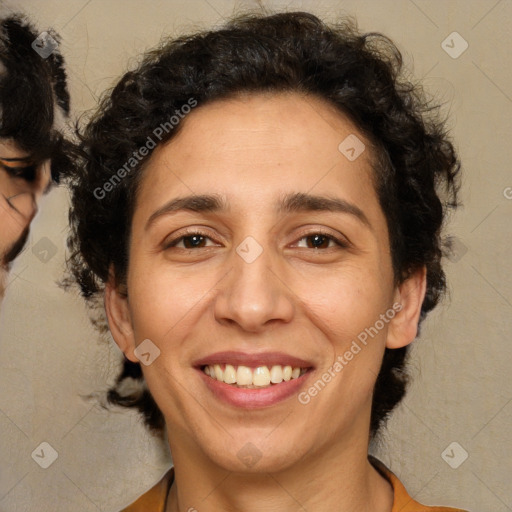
<point>18,200</point>
<point>294,298</point>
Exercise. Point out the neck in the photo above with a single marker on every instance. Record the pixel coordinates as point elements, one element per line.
<point>328,480</point>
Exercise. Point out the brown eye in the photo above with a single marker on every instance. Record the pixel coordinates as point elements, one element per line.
<point>321,240</point>
<point>195,241</point>
<point>191,240</point>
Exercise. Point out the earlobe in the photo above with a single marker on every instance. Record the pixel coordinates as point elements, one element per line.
<point>119,319</point>
<point>403,328</point>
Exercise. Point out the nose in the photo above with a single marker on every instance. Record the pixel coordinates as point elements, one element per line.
<point>254,294</point>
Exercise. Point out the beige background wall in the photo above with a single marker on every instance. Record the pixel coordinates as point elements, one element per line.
<point>462,391</point>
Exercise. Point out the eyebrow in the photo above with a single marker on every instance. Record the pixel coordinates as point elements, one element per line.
<point>290,203</point>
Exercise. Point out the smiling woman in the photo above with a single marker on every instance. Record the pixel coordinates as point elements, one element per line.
<point>283,240</point>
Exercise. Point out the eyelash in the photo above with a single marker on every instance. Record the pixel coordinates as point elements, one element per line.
<point>342,244</point>
<point>26,173</point>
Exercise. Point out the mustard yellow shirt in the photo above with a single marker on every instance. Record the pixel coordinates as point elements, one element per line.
<point>154,500</point>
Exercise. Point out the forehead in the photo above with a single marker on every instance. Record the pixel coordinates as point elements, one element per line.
<point>257,147</point>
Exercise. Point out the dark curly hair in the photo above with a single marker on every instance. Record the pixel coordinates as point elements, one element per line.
<point>30,88</point>
<point>360,74</point>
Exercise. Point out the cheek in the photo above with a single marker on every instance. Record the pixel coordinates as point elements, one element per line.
<point>344,301</point>
<point>12,226</point>
<point>345,309</point>
<point>162,302</point>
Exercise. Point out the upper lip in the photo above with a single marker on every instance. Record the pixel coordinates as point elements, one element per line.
<point>253,360</point>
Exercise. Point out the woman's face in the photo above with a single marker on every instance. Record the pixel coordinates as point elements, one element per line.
<point>285,263</point>
<point>22,183</point>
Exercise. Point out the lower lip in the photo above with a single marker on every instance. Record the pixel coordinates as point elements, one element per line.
<point>254,398</point>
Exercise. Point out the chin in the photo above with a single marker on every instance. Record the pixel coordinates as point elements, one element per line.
<point>254,454</point>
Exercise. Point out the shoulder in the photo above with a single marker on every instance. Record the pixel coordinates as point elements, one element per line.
<point>402,501</point>
<point>154,499</point>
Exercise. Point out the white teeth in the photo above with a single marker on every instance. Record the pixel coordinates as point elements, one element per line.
<point>219,374</point>
<point>261,376</point>
<point>230,374</point>
<point>276,374</point>
<point>243,376</point>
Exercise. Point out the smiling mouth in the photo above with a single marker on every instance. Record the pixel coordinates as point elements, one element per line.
<point>253,378</point>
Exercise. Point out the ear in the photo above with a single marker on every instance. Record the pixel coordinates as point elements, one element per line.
<point>403,328</point>
<point>119,318</point>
